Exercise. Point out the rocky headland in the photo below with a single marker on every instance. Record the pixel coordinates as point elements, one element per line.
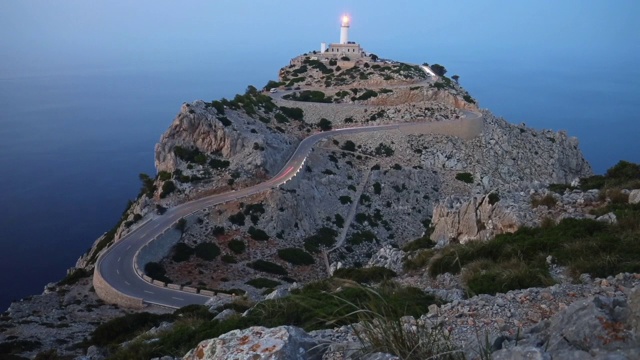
<point>425,214</point>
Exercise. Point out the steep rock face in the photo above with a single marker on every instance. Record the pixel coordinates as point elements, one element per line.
<point>507,154</point>
<point>201,127</point>
<point>257,342</point>
<point>450,97</point>
<point>474,219</point>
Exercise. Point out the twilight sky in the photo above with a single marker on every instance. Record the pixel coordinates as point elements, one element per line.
<point>43,35</point>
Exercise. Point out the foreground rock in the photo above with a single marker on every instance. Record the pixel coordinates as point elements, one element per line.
<point>257,342</point>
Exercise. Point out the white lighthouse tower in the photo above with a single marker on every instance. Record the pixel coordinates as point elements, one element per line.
<point>344,30</point>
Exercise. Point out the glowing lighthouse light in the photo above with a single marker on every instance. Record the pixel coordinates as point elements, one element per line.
<point>344,30</point>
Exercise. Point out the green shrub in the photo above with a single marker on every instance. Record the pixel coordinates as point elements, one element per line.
<point>488,277</point>
<point>339,221</point>
<point>167,188</point>
<point>237,218</point>
<point>421,243</point>
<point>164,175</point>
<point>292,113</point>
<point>360,237</point>
<point>207,251</point>
<point>368,94</point>
<point>121,329</point>
<point>262,283</point>
<point>296,256</point>
<point>377,188</point>
<point>182,252</point>
<point>349,146</point>
<point>418,261</point>
<point>219,164</point>
<point>374,274</point>
<point>156,271</point>
<point>345,199</point>
<point>237,246</point>
<point>384,149</point>
<point>229,259</point>
<point>325,237</point>
<point>465,177</point>
<point>493,198</point>
<point>324,124</point>
<point>268,267</point>
<point>258,234</point>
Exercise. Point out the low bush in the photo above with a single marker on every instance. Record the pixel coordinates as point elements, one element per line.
<point>237,246</point>
<point>262,283</point>
<point>345,199</point>
<point>349,146</point>
<point>207,251</point>
<point>421,243</point>
<point>369,275</point>
<point>324,237</point>
<point>360,237</point>
<point>268,267</point>
<point>465,177</point>
<point>296,256</point>
<point>182,252</point>
<point>487,277</point>
<point>121,329</point>
<point>219,164</point>
<point>237,218</point>
<point>167,188</point>
<point>229,259</point>
<point>258,234</point>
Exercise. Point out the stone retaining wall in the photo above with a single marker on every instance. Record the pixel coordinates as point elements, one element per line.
<point>113,296</point>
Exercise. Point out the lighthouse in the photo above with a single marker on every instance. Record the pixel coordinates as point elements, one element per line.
<point>344,30</point>
<point>344,48</point>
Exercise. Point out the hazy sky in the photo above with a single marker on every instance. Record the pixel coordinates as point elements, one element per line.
<point>66,35</point>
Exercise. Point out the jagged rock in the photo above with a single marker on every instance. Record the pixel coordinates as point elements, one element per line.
<point>609,218</point>
<point>473,219</point>
<point>277,294</point>
<point>634,196</point>
<point>199,126</point>
<point>225,314</point>
<point>599,327</point>
<point>388,257</point>
<point>257,342</point>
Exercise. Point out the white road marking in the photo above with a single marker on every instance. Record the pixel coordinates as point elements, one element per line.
<point>117,271</point>
<point>126,282</point>
<point>119,258</point>
<point>129,247</point>
<point>148,292</point>
<point>176,298</point>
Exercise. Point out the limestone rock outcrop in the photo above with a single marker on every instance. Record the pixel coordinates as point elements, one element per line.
<point>257,342</point>
<point>201,127</point>
<point>475,219</point>
<point>634,196</point>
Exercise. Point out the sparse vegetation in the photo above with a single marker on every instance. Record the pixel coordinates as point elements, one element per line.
<point>324,237</point>
<point>237,246</point>
<point>262,283</point>
<point>207,251</point>
<point>268,267</point>
<point>368,275</point>
<point>296,256</point>
<point>465,177</point>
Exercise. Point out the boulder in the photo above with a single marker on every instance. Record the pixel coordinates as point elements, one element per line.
<point>634,196</point>
<point>257,342</point>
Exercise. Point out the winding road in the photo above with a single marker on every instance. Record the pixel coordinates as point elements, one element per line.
<point>116,266</point>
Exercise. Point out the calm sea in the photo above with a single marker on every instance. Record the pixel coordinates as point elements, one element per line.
<point>72,144</point>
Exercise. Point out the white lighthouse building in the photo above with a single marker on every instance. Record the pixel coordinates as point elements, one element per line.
<point>344,30</point>
<point>344,47</point>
